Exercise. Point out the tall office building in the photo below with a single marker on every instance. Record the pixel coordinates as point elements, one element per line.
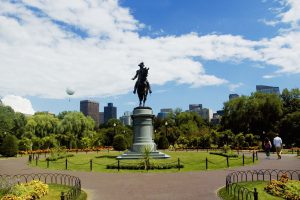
<point>90,108</point>
<point>110,112</point>
<point>206,113</point>
<point>233,96</point>
<point>267,89</point>
<point>164,112</point>
<point>126,119</point>
<point>195,107</point>
<point>101,117</point>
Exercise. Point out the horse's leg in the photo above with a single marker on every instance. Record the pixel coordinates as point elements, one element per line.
<point>145,97</point>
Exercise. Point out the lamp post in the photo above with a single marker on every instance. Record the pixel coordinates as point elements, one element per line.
<point>166,124</point>
<point>115,128</point>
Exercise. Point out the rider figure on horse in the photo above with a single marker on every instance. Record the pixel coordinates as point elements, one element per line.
<point>139,74</point>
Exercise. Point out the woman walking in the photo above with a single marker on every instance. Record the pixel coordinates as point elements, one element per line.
<point>268,146</point>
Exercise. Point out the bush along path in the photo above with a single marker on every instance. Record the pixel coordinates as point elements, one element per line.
<point>175,186</point>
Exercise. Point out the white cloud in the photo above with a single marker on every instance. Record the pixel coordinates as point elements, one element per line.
<point>233,87</point>
<point>19,104</point>
<point>41,55</point>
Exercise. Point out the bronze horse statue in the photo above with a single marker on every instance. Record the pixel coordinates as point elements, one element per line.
<point>143,87</point>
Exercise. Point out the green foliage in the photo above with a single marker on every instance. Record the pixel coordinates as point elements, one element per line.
<point>25,144</point>
<point>291,100</point>
<point>9,146</point>
<point>142,167</point>
<point>31,190</point>
<point>42,124</point>
<point>284,188</point>
<point>239,140</point>
<point>259,185</point>
<point>19,125</point>
<point>119,143</point>
<point>58,153</point>
<point>205,141</point>
<point>49,142</point>
<point>163,142</point>
<point>7,116</point>
<point>289,128</point>
<point>230,155</point>
<point>257,113</point>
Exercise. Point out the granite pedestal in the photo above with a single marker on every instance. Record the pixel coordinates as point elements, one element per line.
<point>143,130</point>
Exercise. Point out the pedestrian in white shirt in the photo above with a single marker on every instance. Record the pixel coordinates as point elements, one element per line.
<point>278,145</point>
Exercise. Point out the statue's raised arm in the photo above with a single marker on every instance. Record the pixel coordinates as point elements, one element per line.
<point>142,86</point>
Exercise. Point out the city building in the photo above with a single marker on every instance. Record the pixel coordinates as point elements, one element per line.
<point>220,112</point>
<point>90,108</point>
<point>216,119</point>
<point>195,107</point>
<point>233,96</point>
<point>267,89</point>
<point>204,113</point>
<point>101,117</point>
<point>126,119</point>
<point>110,112</point>
<point>164,112</point>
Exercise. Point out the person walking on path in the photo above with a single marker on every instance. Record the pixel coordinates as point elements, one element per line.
<point>278,145</point>
<point>267,146</point>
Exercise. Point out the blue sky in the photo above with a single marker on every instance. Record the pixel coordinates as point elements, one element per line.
<point>198,51</point>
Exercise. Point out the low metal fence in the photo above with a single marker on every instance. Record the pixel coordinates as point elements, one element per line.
<point>239,192</point>
<point>48,178</point>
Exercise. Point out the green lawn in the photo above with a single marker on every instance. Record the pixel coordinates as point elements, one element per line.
<point>259,185</point>
<point>55,192</point>
<point>192,161</point>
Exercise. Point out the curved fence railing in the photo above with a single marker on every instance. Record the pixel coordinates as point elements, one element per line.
<point>48,178</point>
<point>239,192</point>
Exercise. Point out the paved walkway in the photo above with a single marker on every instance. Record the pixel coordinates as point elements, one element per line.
<point>155,186</point>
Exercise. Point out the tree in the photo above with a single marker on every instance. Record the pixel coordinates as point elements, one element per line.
<point>254,114</point>
<point>25,144</point>
<point>19,124</point>
<point>205,141</point>
<point>119,143</point>
<point>163,142</point>
<point>289,128</point>
<point>240,140</point>
<point>9,147</point>
<point>291,100</point>
<point>42,124</point>
<point>7,116</point>
<point>76,123</point>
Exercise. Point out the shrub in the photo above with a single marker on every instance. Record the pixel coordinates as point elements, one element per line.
<point>284,188</point>
<point>142,167</point>
<point>224,154</point>
<point>27,191</point>
<point>163,142</point>
<point>9,146</point>
<point>119,143</point>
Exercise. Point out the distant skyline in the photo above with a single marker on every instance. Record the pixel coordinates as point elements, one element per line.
<point>198,52</point>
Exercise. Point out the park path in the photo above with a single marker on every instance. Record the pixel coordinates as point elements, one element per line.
<point>152,186</point>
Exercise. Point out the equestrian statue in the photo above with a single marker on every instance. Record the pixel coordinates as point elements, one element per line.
<point>142,86</point>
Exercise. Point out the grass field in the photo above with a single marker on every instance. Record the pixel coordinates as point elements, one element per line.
<point>192,161</point>
<point>259,185</point>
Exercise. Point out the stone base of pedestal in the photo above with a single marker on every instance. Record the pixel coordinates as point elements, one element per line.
<point>134,155</point>
<point>143,130</point>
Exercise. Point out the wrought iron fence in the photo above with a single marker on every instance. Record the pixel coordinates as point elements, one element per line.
<point>234,178</point>
<point>61,179</point>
